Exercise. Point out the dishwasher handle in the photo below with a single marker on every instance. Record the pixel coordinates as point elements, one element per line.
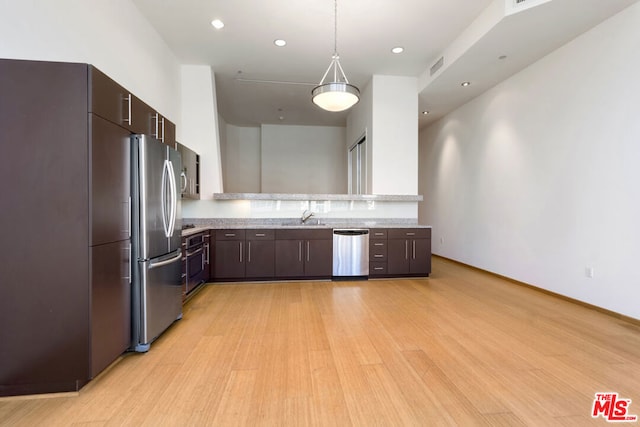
<point>351,232</point>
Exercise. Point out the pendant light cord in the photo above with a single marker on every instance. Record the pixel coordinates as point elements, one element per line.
<point>336,57</point>
<point>335,60</point>
<point>335,27</point>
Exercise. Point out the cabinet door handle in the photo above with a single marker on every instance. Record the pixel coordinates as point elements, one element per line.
<point>378,244</point>
<point>410,234</point>
<point>207,261</point>
<point>414,249</point>
<point>300,251</point>
<point>379,234</point>
<point>156,118</point>
<point>406,249</point>
<point>249,251</point>
<point>308,251</point>
<point>378,256</point>
<point>229,235</point>
<point>129,217</point>
<point>378,268</point>
<point>130,262</point>
<point>260,234</point>
<point>159,127</point>
<point>240,251</point>
<point>127,119</point>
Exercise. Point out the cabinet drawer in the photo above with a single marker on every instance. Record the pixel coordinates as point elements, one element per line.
<point>260,234</point>
<point>230,234</point>
<point>409,233</point>
<point>304,234</point>
<point>377,268</point>
<point>378,250</point>
<point>378,233</point>
<point>377,244</point>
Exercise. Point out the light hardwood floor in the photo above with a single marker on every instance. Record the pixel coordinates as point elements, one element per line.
<point>460,348</point>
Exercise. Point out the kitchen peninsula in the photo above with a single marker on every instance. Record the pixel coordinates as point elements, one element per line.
<point>264,237</point>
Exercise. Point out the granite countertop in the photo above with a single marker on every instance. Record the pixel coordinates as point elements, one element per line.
<point>287,224</point>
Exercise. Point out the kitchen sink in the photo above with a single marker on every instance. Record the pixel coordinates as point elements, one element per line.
<point>307,223</point>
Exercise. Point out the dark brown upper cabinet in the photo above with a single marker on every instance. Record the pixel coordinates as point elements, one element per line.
<point>116,104</point>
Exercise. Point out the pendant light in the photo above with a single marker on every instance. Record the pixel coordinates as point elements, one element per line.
<point>337,95</point>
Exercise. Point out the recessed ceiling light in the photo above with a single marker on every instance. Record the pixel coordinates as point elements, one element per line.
<point>397,49</point>
<point>217,24</point>
<point>425,112</point>
<point>502,57</point>
<point>465,84</point>
<point>280,42</point>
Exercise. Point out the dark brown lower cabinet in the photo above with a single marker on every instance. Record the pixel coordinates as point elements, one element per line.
<point>409,252</point>
<point>110,303</point>
<point>318,260</point>
<point>241,254</point>
<point>398,257</point>
<point>301,253</point>
<point>378,252</point>
<point>289,259</point>
<point>260,259</point>
<point>307,253</point>
<point>229,259</point>
<point>420,260</point>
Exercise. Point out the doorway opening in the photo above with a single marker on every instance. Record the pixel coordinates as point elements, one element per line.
<point>358,167</point>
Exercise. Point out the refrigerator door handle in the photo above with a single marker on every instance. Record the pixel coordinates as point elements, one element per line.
<point>169,207</point>
<point>165,202</point>
<point>174,198</point>
<point>157,264</point>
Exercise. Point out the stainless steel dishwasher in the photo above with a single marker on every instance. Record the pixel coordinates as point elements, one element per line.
<point>350,253</point>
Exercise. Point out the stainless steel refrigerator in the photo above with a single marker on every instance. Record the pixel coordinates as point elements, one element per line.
<point>156,239</point>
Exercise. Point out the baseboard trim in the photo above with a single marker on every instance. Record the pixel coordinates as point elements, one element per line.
<point>629,319</point>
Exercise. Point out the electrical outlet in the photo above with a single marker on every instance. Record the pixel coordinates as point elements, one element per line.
<point>588,271</point>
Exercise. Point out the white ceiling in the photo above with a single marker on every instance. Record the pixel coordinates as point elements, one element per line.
<point>464,31</point>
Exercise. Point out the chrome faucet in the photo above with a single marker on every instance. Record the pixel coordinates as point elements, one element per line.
<point>306,215</point>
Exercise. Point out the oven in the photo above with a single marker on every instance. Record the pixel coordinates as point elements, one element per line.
<point>197,255</point>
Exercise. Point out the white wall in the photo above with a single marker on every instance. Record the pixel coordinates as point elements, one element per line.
<point>537,179</point>
<point>394,145</point>
<point>110,34</point>
<point>200,125</point>
<point>241,162</point>
<point>388,114</point>
<point>303,159</point>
